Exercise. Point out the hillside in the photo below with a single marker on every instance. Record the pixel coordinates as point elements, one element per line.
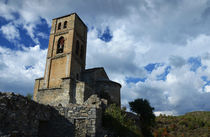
<point>193,124</point>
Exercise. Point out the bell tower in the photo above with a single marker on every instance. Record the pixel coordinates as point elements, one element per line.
<point>66,80</point>
<point>66,54</point>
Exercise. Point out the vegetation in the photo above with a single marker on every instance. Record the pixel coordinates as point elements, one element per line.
<point>118,122</point>
<point>144,123</point>
<point>145,113</point>
<point>29,96</point>
<point>194,124</point>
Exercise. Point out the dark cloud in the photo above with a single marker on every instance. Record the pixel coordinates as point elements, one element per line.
<point>177,61</point>
<point>2,66</point>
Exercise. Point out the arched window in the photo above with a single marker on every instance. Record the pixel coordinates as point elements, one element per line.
<point>77,47</point>
<point>65,24</point>
<point>60,45</point>
<point>59,26</point>
<point>81,52</point>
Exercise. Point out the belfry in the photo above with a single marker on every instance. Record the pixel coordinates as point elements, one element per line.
<point>65,79</point>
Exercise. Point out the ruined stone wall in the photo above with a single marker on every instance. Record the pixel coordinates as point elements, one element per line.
<point>87,119</point>
<point>22,117</point>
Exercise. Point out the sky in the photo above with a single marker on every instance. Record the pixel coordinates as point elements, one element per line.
<point>158,50</point>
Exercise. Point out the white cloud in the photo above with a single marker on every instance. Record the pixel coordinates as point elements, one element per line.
<point>10,32</point>
<point>207,88</point>
<point>42,35</point>
<point>6,11</point>
<point>180,93</point>
<point>20,69</point>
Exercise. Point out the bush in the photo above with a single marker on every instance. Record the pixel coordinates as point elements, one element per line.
<point>29,96</point>
<point>116,121</point>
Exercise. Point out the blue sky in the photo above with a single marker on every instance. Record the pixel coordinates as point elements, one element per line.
<point>158,50</point>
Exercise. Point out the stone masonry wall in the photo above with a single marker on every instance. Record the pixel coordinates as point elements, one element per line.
<point>83,92</point>
<point>55,96</point>
<point>21,117</point>
<point>87,119</point>
<point>110,87</point>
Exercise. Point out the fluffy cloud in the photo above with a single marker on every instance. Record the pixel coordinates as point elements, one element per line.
<point>171,90</point>
<point>10,32</point>
<point>181,92</point>
<point>173,34</point>
<point>19,68</point>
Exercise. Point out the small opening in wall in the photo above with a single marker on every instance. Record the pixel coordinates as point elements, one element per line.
<point>77,47</point>
<point>77,76</point>
<point>81,52</point>
<point>65,25</point>
<point>59,26</point>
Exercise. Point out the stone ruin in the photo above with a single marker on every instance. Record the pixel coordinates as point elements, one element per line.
<point>22,117</point>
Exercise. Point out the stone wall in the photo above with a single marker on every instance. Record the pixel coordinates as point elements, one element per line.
<point>22,117</point>
<point>97,79</point>
<point>110,87</point>
<point>55,96</point>
<point>83,92</point>
<point>87,119</point>
<point>70,91</point>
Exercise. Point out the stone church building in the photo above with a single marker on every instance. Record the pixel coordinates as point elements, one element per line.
<point>65,79</point>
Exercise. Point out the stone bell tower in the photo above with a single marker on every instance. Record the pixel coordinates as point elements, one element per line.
<point>65,61</point>
<point>66,51</point>
<point>66,81</point>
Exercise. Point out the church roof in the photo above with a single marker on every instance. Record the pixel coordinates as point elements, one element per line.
<point>96,73</point>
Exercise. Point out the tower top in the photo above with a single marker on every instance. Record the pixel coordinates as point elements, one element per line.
<point>70,15</point>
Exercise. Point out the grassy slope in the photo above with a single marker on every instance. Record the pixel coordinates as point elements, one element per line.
<point>193,124</point>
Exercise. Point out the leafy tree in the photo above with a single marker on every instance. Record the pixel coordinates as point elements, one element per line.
<point>145,112</point>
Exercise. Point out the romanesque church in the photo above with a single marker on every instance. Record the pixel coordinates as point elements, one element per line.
<point>66,80</point>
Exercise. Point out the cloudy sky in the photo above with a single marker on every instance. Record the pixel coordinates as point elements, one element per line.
<point>156,49</point>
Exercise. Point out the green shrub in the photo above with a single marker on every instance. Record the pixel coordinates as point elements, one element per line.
<point>116,121</point>
<point>29,96</point>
